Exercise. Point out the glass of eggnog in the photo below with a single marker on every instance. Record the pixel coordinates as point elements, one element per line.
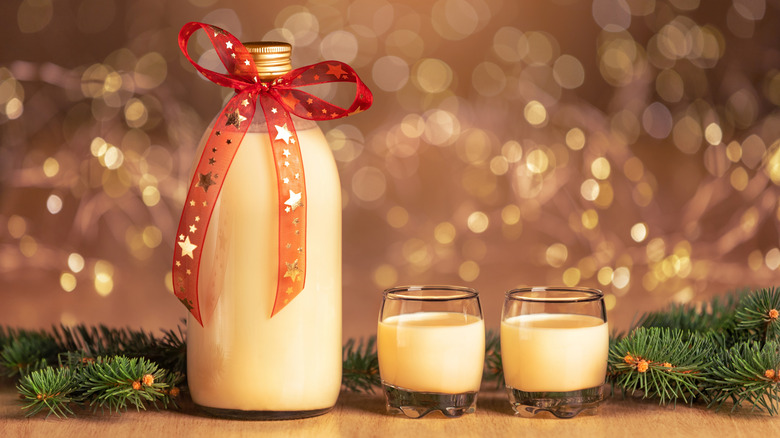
<point>431,347</point>
<point>554,346</point>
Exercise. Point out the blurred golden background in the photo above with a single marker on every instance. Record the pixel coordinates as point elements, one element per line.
<point>627,145</point>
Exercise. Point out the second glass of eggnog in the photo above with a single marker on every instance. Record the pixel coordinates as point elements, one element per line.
<point>431,347</point>
<point>554,346</point>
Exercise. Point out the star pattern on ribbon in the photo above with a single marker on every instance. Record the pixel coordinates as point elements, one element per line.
<point>278,99</point>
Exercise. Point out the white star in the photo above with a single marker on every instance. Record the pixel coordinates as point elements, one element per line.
<point>229,45</point>
<point>245,102</point>
<point>282,133</point>
<point>294,201</point>
<point>286,153</point>
<point>274,110</point>
<point>246,62</point>
<point>286,164</point>
<point>286,180</point>
<point>187,247</point>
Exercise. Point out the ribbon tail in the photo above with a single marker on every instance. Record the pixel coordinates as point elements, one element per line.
<point>207,181</point>
<point>292,206</point>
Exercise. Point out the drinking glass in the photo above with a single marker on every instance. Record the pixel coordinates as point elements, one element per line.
<point>554,346</point>
<point>431,347</point>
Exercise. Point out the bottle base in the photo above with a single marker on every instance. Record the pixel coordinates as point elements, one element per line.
<point>238,414</point>
<point>416,404</point>
<point>560,404</point>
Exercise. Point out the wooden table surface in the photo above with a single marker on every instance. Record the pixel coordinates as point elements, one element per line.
<point>363,415</point>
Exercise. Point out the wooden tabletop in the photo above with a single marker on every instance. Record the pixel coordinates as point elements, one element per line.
<point>363,415</point>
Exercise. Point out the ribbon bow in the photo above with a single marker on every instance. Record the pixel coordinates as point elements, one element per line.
<point>278,99</point>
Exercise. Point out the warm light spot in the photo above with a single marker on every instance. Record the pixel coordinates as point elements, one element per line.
<point>589,189</point>
<point>478,222</point>
<point>634,169</point>
<point>51,167</point>
<point>432,75</point>
<point>17,226</point>
<point>54,204</point>
<point>590,219</point>
<point>28,246</point>
<point>468,270</point>
<point>656,249</point>
<point>621,277</point>
<point>152,236</point>
<point>369,184</point>
<point>755,260</point>
<point>600,168</point>
<point>571,277</point>
<point>575,139</point>
<point>67,281</point>
<point>568,72</point>
<point>75,262</point>
<point>385,276</point>
<point>397,216</point>
<point>556,255</point>
<point>604,275</point>
<point>537,161</point>
<point>610,301</point>
<point>150,196</point>
<point>104,281</point>
<point>513,151</point>
<point>535,113</point>
<point>510,214</point>
<point>739,178</point>
<point>639,232</point>
<point>444,233</point>
<point>713,134</point>
<point>168,281</point>
<point>772,259</point>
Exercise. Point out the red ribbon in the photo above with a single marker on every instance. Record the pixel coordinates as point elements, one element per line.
<point>278,99</point>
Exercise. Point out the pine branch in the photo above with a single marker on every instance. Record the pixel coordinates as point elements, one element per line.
<point>28,351</point>
<point>760,314</point>
<point>360,372</point>
<point>118,381</point>
<point>493,370</point>
<point>49,389</point>
<point>660,362</point>
<point>747,373</point>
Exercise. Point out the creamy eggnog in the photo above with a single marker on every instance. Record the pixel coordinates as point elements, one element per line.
<point>439,352</point>
<point>241,358</point>
<point>554,352</point>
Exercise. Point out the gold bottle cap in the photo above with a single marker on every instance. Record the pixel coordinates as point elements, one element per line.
<point>272,58</point>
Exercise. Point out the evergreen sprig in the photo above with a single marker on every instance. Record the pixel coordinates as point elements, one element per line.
<point>760,314</point>
<point>111,383</point>
<point>493,370</point>
<point>360,369</point>
<point>49,389</point>
<point>747,374</point>
<point>661,362</point>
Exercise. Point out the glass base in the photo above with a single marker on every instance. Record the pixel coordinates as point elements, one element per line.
<point>561,404</point>
<point>237,414</point>
<point>416,404</point>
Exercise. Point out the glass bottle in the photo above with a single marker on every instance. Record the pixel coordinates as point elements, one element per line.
<point>243,363</point>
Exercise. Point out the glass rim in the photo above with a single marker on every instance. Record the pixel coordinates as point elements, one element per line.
<point>407,293</point>
<point>585,294</point>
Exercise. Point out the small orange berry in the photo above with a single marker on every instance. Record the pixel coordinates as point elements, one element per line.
<point>148,380</point>
<point>174,392</point>
<point>773,314</point>
<point>136,385</point>
<point>642,366</point>
<point>629,358</point>
<point>667,365</point>
<point>769,374</point>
